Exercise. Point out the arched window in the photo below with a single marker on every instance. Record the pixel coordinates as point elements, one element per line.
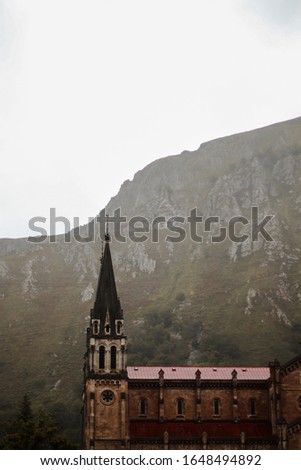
<point>95,327</point>
<point>216,406</point>
<point>113,357</point>
<point>143,406</point>
<point>119,325</point>
<point>252,407</point>
<point>180,406</point>
<point>102,353</point>
<point>107,329</point>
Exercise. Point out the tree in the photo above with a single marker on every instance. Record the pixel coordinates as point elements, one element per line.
<point>20,430</point>
<point>29,432</point>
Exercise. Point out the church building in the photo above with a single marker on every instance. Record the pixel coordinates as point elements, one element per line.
<point>179,407</point>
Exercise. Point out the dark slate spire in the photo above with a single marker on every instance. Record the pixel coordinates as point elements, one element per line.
<point>107,307</point>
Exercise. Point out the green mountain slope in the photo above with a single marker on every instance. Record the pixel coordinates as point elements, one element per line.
<point>186,302</point>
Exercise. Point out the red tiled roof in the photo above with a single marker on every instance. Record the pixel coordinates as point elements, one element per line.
<point>186,430</point>
<point>188,373</point>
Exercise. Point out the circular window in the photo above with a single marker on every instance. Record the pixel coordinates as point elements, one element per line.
<point>107,397</point>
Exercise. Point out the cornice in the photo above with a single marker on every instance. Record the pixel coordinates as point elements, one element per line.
<point>204,385</point>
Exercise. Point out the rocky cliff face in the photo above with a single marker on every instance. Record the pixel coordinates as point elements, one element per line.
<point>236,301</point>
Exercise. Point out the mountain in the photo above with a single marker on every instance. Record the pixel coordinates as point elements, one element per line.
<point>186,299</point>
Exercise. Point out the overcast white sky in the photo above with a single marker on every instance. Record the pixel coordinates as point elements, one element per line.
<point>93,90</point>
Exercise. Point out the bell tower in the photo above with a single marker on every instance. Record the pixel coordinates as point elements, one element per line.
<point>105,409</point>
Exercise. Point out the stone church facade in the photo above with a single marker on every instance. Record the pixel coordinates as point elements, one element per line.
<point>142,407</point>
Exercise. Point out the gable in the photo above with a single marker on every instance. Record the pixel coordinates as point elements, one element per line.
<point>291,372</point>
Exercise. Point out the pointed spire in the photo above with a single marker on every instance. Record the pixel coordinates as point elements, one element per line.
<point>101,252</point>
<point>107,307</point>
<point>107,234</point>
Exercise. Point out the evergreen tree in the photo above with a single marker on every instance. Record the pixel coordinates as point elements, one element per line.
<point>27,432</point>
<point>20,431</point>
<point>46,435</point>
<point>25,413</point>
